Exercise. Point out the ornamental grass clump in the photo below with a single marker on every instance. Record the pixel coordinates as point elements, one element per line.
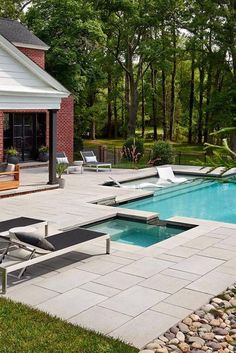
<point>133,149</point>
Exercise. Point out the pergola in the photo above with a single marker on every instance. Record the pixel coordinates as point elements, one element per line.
<point>25,86</point>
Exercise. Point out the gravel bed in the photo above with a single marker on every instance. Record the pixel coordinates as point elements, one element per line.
<point>210,329</point>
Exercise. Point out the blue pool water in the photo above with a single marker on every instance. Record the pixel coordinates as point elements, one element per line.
<point>213,200</point>
<point>137,233</point>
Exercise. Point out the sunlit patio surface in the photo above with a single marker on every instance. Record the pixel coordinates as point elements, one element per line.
<point>135,293</point>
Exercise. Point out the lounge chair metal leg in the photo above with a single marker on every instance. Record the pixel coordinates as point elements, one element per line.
<point>24,269</point>
<point>4,280</point>
<point>4,253</point>
<point>108,245</point>
<point>46,230</point>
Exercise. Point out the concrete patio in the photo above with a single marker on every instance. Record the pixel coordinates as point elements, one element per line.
<point>135,293</point>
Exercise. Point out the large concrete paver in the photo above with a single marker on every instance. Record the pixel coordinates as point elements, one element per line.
<point>212,283</point>
<point>188,299</point>
<point>218,253</point>
<point>164,283</point>
<point>67,280</point>
<point>180,274</point>
<point>100,267</point>
<point>100,289</point>
<point>201,243</point>
<point>100,319</point>
<point>146,267</point>
<point>197,264</point>
<point>172,310</point>
<point>134,300</point>
<point>183,251</point>
<point>32,295</point>
<point>71,303</point>
<point>144,328</point>
<point>119,280</point>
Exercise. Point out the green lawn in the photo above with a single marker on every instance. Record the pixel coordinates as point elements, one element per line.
<point>25,330</point>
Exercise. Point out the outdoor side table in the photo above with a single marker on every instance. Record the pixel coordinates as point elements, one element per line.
<point>77,165</point>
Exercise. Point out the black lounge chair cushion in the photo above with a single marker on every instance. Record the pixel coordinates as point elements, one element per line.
<point>35,240</point>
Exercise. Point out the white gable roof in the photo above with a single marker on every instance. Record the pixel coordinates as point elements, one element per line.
<point>23,84</point>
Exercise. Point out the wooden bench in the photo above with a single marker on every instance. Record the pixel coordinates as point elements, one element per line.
<point>10,180</point>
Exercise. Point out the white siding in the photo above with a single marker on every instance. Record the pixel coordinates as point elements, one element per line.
<point>13,73</point>
<point>23,84</point>
<point>10,102</point>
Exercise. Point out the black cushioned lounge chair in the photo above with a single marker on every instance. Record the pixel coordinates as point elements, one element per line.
<point>42,249</point>
<point>21,222</point>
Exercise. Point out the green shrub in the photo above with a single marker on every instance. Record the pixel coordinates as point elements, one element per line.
<point>133,149</point>
<point>43,149</point>
<point>163,153</point>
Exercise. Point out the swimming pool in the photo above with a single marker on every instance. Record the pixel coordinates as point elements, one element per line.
<point>137,233</point>
<point>200,199</point>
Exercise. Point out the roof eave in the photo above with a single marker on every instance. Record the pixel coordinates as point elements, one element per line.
<point>30,46</point>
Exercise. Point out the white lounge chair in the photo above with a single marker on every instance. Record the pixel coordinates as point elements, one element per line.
<point>166,173</point>
<point>137,186</point>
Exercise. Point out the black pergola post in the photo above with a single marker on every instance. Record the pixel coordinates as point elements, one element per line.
<point>52,146</point>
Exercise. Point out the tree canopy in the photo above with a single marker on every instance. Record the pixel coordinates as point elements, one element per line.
<point>168,65</point>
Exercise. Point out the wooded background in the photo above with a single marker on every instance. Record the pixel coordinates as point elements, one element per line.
<point>163,69</point>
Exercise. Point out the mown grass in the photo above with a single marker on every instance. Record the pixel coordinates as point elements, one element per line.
<point>26,330</point>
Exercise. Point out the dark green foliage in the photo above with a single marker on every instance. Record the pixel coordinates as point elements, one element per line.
<point>163,153</point>
<point>78,144</point>
<point>160,64</point>
<point>26,330</point>
<point>133,149</point>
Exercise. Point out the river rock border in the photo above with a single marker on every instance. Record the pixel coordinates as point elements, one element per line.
<point>210,329</point>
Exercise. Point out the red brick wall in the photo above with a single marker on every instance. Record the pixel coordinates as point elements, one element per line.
<point>65,127</point>
<point>37,55</point>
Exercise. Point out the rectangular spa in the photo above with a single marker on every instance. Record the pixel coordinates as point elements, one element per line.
<point>138,233</point>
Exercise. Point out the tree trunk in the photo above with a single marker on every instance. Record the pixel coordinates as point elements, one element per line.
<point>173,76</point>
<point>115,119</point>
<point>191,101</point>
<point>154,101</point>
<point>109,105</point>
<point>93,129</point>
<point>164,123</point>
<point>143,109</point>
<point>133,107</point>
<point>133,93</point>
<point>208,99</point>
<point>200,112</point>
<point>127,102</point>
<point>91,101</point>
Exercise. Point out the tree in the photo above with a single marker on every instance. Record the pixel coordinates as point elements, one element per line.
<point>13,8</point>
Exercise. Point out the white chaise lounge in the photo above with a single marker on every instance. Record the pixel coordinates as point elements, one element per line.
<point>166,174</point>
<point>137,186</point>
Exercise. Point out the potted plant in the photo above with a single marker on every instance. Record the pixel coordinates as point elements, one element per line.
<point>61,168</point>
<point>43,154</point>
<point>12,155</point>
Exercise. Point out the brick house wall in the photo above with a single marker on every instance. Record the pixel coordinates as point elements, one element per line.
<point>36,55</point>
<point>65,116</point>
<point>65,127</point>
